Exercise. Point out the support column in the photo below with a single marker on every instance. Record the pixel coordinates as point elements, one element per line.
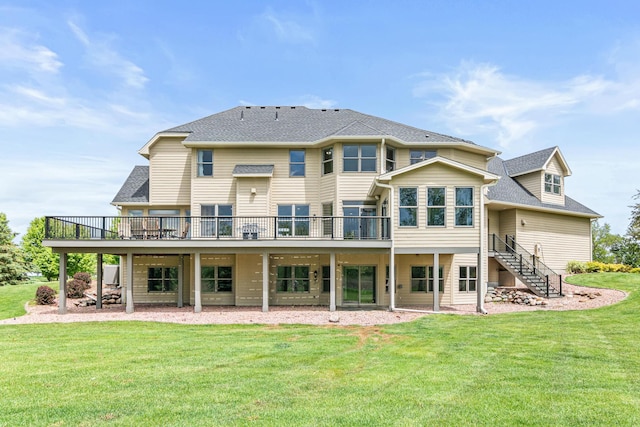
<point>180,280</point>
<point>62,295</point>
<point>197,307</point>
<point>392,278</point>
<point>479,287</point>
<point>129,303</point>
<point>99,276</point>
<point>436,282</point>
<point>332,282</point>
<point>265,281</point>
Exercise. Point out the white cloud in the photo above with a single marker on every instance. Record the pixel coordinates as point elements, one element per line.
<point>312,101</point>
<point>287,29</point>
<point>102,56</point>
<point>19,50</point>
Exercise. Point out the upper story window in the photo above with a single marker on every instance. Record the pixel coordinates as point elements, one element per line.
<point>464,206</point>
<point>408,206</point>
<point>327,160</point>
<point>416,156</point>
<point>552,183</point>
<point>359,158</point>
<point>390,163</point>
<point>205,162</point>
<point>296,163</point>
<point>293,220</point>
<point>436,205</point>
<point>216,220</point>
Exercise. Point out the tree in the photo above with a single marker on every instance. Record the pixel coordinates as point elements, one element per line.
<point>634,227</point>
<point>47,262</point>
<point>604,242</point>
<point>13,269</point>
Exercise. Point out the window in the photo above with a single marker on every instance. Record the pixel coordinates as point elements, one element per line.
<point>418,279</point>
<point>216,220</point>
<point>293,220</point>
<point>408,207</point>
<point>296,162</point>
<point>359,158</point>
<point>467,280</point>
<point>135,212</point>
<point>162,279</point>
<point>436,201</point>
<point>416,156</point>
<point>327,160</point>
<point>551,183</point>
<point>440,279</point>
<point>216,279</point>
<point>327,219</point>
<point>390,164</point>
<point>292,278</point>
<point>464,206</point>
<point>205,162</point>
<point>326,278</point>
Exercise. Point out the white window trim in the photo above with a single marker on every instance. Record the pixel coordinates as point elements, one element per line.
<point>472,207</point>
<point>443,207</point>
<point>401,206</point>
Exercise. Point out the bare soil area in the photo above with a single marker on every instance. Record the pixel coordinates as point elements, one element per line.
<point>297,315</point>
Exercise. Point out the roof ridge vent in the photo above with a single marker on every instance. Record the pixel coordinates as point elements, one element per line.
<point>276,116</point>
<point>241,114</point>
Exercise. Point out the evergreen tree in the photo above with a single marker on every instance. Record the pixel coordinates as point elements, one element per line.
<point>12,265</point>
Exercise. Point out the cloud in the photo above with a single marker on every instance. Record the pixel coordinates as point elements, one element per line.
<point>480,98</point>
<point>19,50</point>
<point>287,29</point>
<point>312,101</point>
<point>103,57</point>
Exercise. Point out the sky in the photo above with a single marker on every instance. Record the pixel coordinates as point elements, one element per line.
<point>85,84</point>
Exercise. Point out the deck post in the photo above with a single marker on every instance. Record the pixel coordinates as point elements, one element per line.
<point>180,280</point>
<point>265,281</point>
<point>99,282</point>
<point>62,296</point>
<point>436,282</point>
<point>129,303</point>
<point>332,282</point>
<point>197,307</point>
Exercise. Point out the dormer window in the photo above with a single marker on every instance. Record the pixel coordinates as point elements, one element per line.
<point>552,183</point>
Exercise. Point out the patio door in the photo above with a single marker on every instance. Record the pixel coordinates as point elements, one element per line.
<point>356,225</point>
<point>359,285</point>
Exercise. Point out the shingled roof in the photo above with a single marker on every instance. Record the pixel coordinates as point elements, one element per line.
<point>529,162</point>
<point>508,190</point>
<point>136,188</point>
<point>300,124</point>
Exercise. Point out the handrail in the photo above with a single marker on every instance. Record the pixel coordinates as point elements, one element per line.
<point>553,281</point>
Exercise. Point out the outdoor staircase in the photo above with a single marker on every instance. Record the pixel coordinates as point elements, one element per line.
<point>539,278</point>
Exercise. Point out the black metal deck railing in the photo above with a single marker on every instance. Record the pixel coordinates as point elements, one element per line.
<point>221,227</point>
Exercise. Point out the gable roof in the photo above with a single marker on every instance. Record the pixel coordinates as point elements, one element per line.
<point>509,191</point>
<point>136,188</point>
<point>301,125</point>
<point>534,162</point>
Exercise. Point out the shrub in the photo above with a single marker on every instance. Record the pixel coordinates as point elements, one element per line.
<point>576,267</point>
<point>45,295</point>
<point>76,288</point>
<point>85,277</point>
<point>635,270</point>
<point>594,267</point>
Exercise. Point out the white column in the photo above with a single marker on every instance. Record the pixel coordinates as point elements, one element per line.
<point>197,307</point>
<point>436,282</point>
<point>332,282</point>
<point>180,280</point>
<point>265,281</point>
<point>479,287</point>
<point>392,278</point>
<point>129,303</point>
<point>62,296</point>
<point>99,282</point>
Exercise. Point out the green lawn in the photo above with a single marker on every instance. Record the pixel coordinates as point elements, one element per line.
<point>13,298</point>
<point>534,368</point>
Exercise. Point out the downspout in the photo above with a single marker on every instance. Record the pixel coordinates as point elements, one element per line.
<point>392,254</point>
<point>483,238</point>
<point>383,157</point>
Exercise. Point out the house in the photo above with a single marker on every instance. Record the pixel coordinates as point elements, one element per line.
<point>263,206</point>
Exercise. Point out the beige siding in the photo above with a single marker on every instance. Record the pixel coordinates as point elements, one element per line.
<point>404,296</point>
<point>252,197</point>
<point>248,280</point>
<point>141,265</point>
<point>460,260</point>
<point>380,261</point>
<point>218,298</point>
<point>559,238</point>
<point>169,173</point>
<point>507,223</point>
<point>554,167</point>
<point>295,298</point>
<point>437,175</point>
<point>533,182</point>
<point>472,159</point>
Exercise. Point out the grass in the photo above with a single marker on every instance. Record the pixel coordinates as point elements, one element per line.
<point>534,368</point>
<point>13,298</point>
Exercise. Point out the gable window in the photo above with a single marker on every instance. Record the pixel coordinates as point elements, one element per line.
<point>408,207</point>
<point>440,279</point>
<point>205,162</point>
<point>296,163</point>
<point>326,278</point>
<point>390,164</point>
<point>216,279</point>
<point>293,220</point>
<point>467,279</point>
<point>162,279</point>
<point>327,160</point>
<point>359,158</point>
<point>216,220</point>
<point>418,279</point>
<point>464,206</point>
<point>416,156</point>
<point>436,201</point>
<point>292,278</point>
<point>552,183</point>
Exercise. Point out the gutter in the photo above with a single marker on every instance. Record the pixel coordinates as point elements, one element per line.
<point>392,254</point>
